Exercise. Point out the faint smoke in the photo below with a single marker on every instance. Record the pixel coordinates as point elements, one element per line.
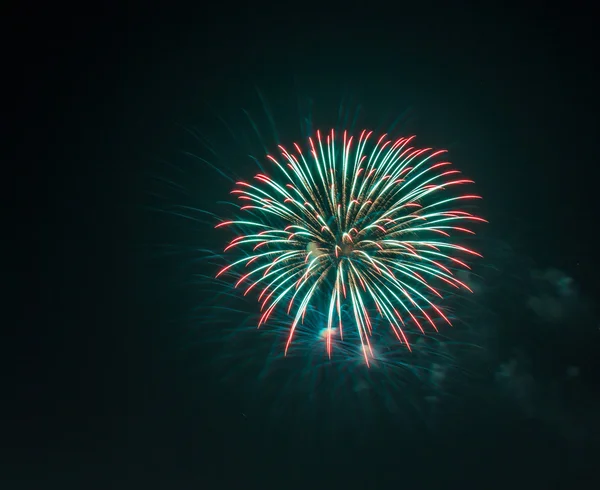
<point>313,249</point>
<point>555,297</point>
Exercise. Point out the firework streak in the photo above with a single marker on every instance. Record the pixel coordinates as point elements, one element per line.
<point>367,223</point>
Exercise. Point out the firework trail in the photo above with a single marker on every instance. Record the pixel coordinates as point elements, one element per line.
<point>367,224</point>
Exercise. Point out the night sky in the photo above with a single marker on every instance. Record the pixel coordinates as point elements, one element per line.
<point>112,380</point>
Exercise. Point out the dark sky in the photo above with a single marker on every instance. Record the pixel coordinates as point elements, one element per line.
<point>97,392</point>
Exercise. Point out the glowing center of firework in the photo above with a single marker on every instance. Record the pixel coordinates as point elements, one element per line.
<point>343,249</point>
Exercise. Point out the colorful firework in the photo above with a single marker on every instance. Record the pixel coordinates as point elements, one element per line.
<point>368,225</point>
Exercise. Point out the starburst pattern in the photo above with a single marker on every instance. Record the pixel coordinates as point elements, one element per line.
<point>369,224</point>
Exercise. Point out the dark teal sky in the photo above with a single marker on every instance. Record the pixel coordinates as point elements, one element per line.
<point>107,386</point>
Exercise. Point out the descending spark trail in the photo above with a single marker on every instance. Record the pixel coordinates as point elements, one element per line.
<point>367,223</point>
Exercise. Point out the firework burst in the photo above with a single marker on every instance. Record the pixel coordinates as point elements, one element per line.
<point>365,225</point>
